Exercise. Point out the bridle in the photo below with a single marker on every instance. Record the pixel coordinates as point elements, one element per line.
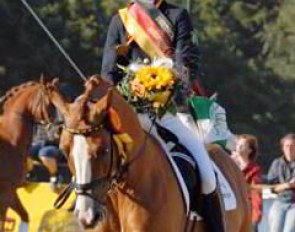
<point>46,120</point>
<point>115,173</point>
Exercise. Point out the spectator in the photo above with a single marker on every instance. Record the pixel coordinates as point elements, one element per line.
<point>244,156</point>
<point>45,149</point>
<point>45,145</point>
<point>282,175</point>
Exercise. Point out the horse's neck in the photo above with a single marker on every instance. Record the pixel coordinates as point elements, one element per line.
<point>148,184</point>
<point>17,128</point>
<point>144,157</point>
<point>149,168</point>
<point>17,122</point>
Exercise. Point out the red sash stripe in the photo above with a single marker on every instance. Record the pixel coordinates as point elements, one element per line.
<point>157,36</point>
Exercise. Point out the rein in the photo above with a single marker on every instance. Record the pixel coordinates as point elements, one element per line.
<point>110,180</point>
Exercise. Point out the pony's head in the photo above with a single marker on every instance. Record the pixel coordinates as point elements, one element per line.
<point>87,139</point>
<point>30,101</point>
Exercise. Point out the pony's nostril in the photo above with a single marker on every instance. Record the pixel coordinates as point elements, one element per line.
<point>90,218</point>
<point>83,221</point>
<point>88,222</point>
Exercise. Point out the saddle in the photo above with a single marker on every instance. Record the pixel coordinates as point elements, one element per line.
<point>186,165</point>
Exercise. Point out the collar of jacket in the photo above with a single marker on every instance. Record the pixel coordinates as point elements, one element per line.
<point>158,3</point>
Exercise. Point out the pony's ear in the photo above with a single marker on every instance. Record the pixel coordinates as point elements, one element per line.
<point>51,85</point>
<point>102,107</point>
<point>106,101</point>
<point>92,83</point>
<point>55,82</point>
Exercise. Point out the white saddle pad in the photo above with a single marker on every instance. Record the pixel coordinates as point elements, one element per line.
<point>229,198</point>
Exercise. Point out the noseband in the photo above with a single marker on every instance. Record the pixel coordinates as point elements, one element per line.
<point>86,131</point>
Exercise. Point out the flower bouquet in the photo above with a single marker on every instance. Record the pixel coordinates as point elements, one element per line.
<point>149,87</point>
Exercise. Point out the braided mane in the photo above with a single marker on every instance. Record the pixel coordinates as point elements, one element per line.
<point>14,91</point>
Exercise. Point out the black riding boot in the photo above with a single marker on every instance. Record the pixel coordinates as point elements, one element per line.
<point>213,214</point>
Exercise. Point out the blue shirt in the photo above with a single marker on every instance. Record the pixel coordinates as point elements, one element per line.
<point>282,171</point>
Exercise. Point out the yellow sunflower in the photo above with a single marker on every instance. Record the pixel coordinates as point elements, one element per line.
<point>155,78</point>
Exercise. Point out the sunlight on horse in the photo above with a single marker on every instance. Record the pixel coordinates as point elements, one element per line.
<point>129,185</point>
<point>23,106</point>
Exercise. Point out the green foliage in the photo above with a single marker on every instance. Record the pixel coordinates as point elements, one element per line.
<point>247,53</point>
<point>279,41</point>
<point>28,50</point>
<point>248,58</point>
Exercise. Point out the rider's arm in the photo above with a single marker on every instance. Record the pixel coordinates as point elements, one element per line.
<point>109,60</point>
<point>278,188</point>
<point>274,178</point>
<point>186,52</point>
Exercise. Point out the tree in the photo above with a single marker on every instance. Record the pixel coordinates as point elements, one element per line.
<point>27,50</point>
<point>241,63</point>
<point>279,42</point>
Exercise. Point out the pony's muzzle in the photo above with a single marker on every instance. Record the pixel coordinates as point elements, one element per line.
<point>93,215</point>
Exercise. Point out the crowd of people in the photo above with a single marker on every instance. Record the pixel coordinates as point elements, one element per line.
<point>280,180</point>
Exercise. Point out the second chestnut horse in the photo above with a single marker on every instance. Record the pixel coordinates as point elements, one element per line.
<point>23,106</point>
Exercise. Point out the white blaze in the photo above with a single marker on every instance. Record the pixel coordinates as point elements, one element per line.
<point>84,208</point>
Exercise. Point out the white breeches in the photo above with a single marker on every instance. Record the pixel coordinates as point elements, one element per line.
<point>184,127</point>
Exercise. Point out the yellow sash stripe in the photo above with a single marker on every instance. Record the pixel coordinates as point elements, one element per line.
<point>139,35</point>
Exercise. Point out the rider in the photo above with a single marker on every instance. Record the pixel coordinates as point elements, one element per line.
<point>156,29</point>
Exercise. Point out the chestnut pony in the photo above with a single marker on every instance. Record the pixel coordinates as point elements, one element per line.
<point>23,105</point>
<point>134,190</point>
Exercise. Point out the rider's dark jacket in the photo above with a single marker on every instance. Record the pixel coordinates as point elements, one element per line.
<point>185,51</point>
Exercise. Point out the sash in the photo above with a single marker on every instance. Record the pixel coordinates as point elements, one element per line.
<point>149,28</point>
